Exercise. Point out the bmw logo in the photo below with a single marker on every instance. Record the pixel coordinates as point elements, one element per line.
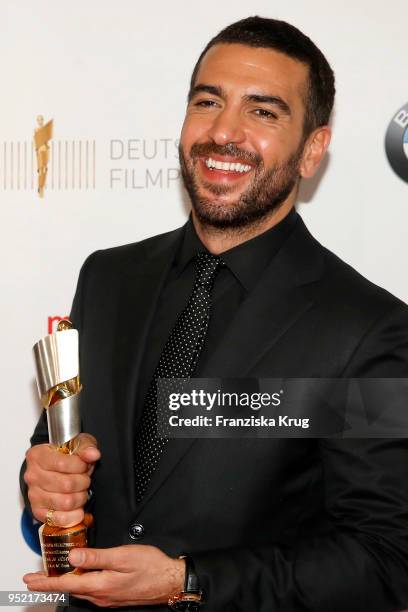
<point>396,143</point>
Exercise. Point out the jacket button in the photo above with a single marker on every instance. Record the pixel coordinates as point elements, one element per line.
<point>136,531</point>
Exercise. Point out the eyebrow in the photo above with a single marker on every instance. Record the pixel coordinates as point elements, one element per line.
<point>274,100</point>
<point>216,90</point>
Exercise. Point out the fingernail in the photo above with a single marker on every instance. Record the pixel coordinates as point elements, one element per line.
<point>76,557</point>
<point>28,579</point>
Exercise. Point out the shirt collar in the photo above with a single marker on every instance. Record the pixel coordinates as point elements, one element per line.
<point>246,261</point>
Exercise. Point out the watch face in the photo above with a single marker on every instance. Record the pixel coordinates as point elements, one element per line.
<point>186,602</point>
<point>188,606</point>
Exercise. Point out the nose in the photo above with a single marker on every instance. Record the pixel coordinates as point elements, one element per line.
<point>227,127</point>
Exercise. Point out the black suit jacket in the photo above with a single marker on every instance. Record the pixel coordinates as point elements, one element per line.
<point>317,525</point>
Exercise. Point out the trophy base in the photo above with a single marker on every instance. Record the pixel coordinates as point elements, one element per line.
<point>56,542</point>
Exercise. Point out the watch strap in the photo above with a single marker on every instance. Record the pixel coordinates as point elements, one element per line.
<point>191,580</point>
<point>191,598</point>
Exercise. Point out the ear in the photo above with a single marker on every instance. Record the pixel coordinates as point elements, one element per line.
<point>314,151</point>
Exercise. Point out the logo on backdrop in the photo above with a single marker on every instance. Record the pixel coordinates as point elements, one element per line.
<point>396,143</point>
<point>46,164</point>
<point>53,323</point>
<point>42,136</point>
<point>137,163</point>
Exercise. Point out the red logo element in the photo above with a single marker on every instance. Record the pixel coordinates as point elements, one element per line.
<point>53,322</point>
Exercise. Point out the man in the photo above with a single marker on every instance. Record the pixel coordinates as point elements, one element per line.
<point>267,525</point>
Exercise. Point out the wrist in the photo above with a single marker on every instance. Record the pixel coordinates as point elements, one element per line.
<point>175,577</point>
<point>179,576</point>
<point>189,598</point>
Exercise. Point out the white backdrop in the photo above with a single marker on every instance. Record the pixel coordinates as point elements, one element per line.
<point>114,77</point>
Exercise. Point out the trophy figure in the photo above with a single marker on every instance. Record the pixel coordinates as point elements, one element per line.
<point>42,135</point>
<point>57,367</point>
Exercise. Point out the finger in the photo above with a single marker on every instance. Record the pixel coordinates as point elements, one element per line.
<point>48,458</point>
<point>99,558</point>
<point>68,502</point>
<point>57,501</point>
<point>61,518</point>
<point>88,448</point>
<point>34,575</point>
<point>84,584</point>
<point>55,482</point>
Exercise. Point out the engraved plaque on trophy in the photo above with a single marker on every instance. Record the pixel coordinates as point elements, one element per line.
<point>57,367</point>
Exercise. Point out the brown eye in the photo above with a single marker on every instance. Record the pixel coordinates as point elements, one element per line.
<point>205,103</point>
<point>266,114</point>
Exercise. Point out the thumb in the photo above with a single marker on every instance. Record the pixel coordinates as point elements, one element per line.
<point>93,558</point>
<point>87,448</point>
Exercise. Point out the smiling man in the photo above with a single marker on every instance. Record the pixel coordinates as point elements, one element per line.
<point>242,290</point>
<point>243,141</point>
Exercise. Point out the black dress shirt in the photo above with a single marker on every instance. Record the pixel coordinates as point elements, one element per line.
<point>245,264</point>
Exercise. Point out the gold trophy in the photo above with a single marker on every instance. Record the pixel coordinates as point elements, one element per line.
<point>57,367</point>
<point>42,135</point>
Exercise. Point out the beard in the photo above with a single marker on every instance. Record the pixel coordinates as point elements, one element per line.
<point>266,192</point>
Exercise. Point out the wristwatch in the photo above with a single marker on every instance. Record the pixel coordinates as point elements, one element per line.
<point>190,599</point>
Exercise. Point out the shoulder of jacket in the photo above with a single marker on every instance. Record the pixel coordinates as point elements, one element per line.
<point>115,257</point>
<point>349,287</point>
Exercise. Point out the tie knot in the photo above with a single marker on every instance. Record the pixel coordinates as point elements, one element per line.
<point>207,266</point>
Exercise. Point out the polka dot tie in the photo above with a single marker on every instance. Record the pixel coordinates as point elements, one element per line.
<point>178,360</point>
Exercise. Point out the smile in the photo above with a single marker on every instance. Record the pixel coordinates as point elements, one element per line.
<point>213,164</point>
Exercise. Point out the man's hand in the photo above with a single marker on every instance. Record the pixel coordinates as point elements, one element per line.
<point>60,482</point>
<point>129,575</point>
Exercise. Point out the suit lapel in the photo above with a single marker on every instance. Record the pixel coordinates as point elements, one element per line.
<point>140,289</point>
<point>284,293</point>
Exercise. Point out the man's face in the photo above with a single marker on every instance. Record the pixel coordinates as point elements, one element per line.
<point>242,138</point>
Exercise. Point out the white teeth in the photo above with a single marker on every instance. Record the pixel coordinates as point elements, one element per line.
<point>232,167</point>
